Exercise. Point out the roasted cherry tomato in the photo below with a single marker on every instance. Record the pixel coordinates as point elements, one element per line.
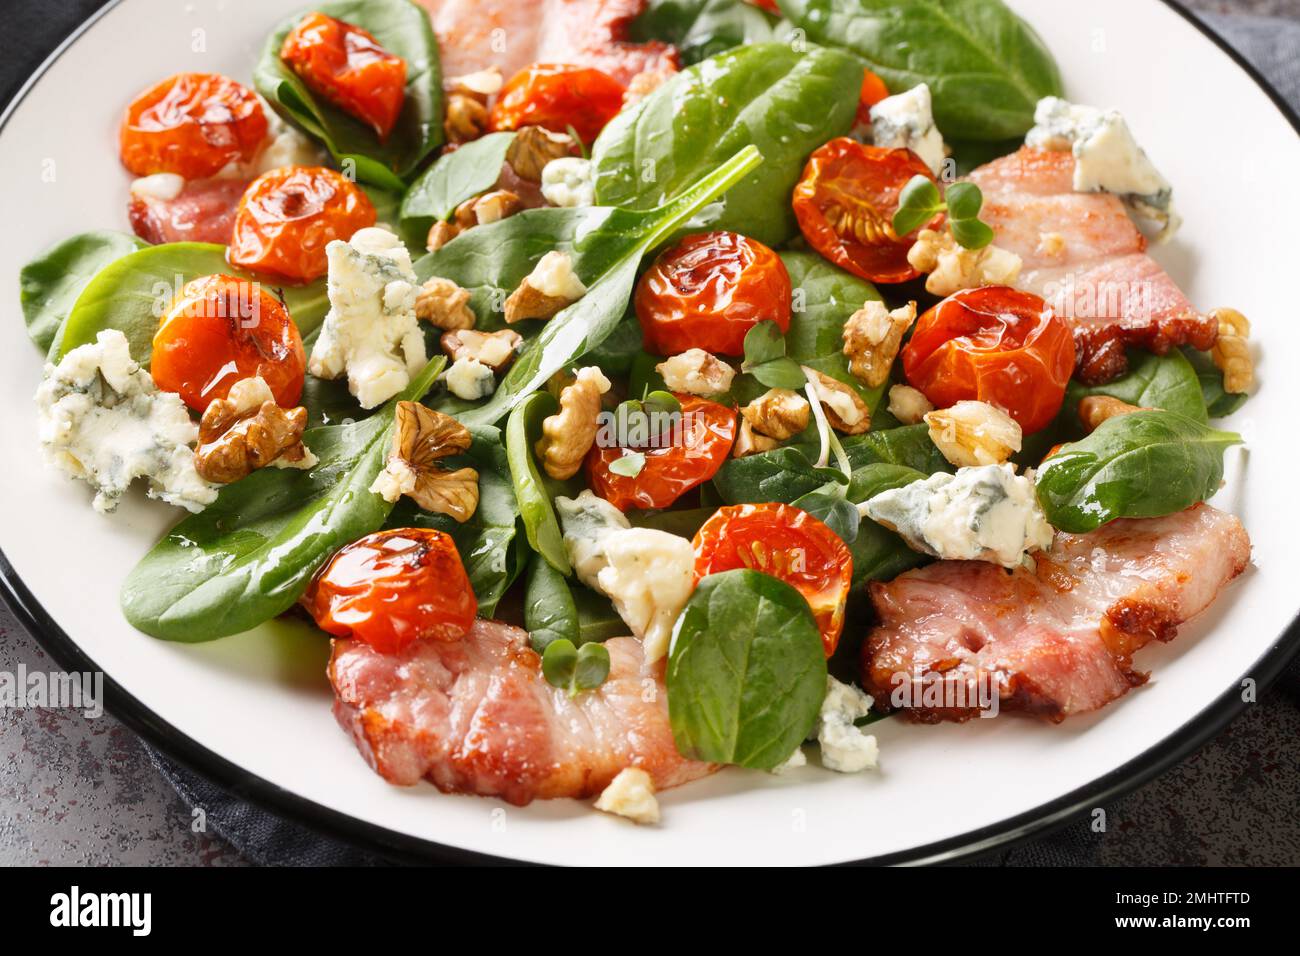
<point>221,329</point>
<point>688,455</point>
<point>846,202</point>
<point>995,345</point>
<point>873,91</point>
<point>191,124</point>
<point>557,97</point>
<point>394,587</point>
<point>347,66</point>
<point>709,290</point>
<point>287,217</point>
<point>786,543</point>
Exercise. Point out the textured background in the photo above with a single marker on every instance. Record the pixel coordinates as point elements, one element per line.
<point>77,791</point>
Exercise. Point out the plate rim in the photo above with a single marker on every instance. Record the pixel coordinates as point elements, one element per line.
<point>404,847</point>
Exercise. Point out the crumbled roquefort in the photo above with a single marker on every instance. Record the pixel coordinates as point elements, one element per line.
<point>469,379</point>
<point>567,182</point>
<point>906,121</point>
<point>845,747</point>
<point>104,421</point>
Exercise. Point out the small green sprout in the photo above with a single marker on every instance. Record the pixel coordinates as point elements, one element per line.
<point>919,202</point>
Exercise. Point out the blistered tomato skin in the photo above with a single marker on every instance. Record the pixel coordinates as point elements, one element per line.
<point>789,544</point>
<point>347,66</point>
<point>391,588</point>
<point>690,456</point>
<point>287,216</point>
<point>995,345</point>
<point>845,205</point>
<point>193,125</point>
<point>557,97</point>
<point>873,91</point>
<point>709,290</point>
<point>221,329</point>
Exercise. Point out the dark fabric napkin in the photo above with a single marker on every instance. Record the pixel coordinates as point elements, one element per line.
<point>1249,775</point>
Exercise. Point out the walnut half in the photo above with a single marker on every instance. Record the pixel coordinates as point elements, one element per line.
<point>246,431</point>
<point>778,413</point>
<point>568,435</point>
<point>1231,353</point>
<point>845,410</point>
<point>535,146</point>
<point>444,304</point>
<point>421,439</point>
<point>872,338</point>
<point>974,433</point>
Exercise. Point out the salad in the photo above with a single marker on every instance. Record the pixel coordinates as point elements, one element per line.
<point>678,385</point>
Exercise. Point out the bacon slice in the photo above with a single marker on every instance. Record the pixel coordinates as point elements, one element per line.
<point>1082,253</point>
<point>476,716</point>
<point>512,34</point>
<point>204,211</point>
<point>1056,642</point>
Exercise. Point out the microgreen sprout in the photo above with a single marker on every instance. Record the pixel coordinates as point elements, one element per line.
<point>919,202</point>
<point>766,360</point>
<point>575,669</point>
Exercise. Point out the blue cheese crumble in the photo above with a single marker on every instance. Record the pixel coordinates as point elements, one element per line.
<point>984,513</point>
<point>906,121</point>
<point>104,421</point>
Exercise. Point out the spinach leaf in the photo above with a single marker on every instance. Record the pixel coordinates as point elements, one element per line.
<point>701,28</point>
<point>534,497</point>
<point>606,245</point>
<point>907,445</point>
<point>597,619</point>
<point>50,284</point>
<point>986,67</point>
<point>401,28</point>
<point>1167,382</point>
<point>784,102</point>
<point>782,474</point>
<point>1219,403</point>
<point>460,175</point>
<point>250,555</point>
<point>620,348</point>
<point>878,553</point>
<point>550,613</point>
<point>746,674</point>
<point>834,511</point>
<point>683,522</point>
<point>824,296</point>
<point>132,294</point>
<point>1140,465</point>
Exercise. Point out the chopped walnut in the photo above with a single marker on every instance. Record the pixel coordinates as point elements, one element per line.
<point>492,207</point>
<point>444,304</point>
<point>1095,409</point>
<point>750,442</point>
<point>467,96</point>
<point>568,435</point>
<point>1231,353</point>
<point>481,84</point>
<point>872,338</point>
<point>550,287</point>
<point>421,439</point>
<point>440,234</point>
<point>974,433</point>
<point>247,430</point>
<point>696,372</point>
<point>496,350</point>
<point>778,413</point>
<point>845,410</point>
<point>535,146</point>
<point>909,405</point>
<point>645,83</point>
<point>953,267</point>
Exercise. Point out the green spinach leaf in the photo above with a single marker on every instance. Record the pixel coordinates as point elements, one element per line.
<point>250,555</point>
<point>907,445</point>
<point>746,674</point>
<point>701,28</point>
<point>550,613</point>
<point>531,491</point>
<point>824,296</point>
<point>460,175</point>
<point>784,102</point>
<point>1219,402</point>
<point>50,284</point>
<point>878,553</point>
<point>986,68</point>
<point>401,28</point>
<point>782,474</point>
<point>1140,465</point>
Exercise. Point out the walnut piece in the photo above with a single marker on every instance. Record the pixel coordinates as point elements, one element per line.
<point>496,350</point>
<point>974,433</point>
<point>487,208</point>
<point>421,439</point>
<point>909,405</point>
<point>550,287</point>
<point>246,431</point>
<point>953,267</point>
<point>440,234</point>
<point>778,413</point>
<point>568,435</point>
<point>872,338</point>
<point>481,84</point>
<point>467,97</point>
<point>1095,409</point>
<point>845,410</point>
<point>535,146</point>
<point>444,304</point>
<point>750,442</point>
<point>1231,353</point>
<point>696,372</point>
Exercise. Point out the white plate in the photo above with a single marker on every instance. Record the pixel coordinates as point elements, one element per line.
<point>253,711</point>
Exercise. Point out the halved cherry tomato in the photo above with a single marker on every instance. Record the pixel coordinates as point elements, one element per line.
<point>191,124</point>
<point>394,587</point>
<point>846,202</point>
<point>347,66</point>
<point>873,91</point>
<point>221,329</point>
<point>690,456</point>
<point>709,290</point>
<point>995,345</point>
<point>557,97</point>
<point>287,217</point>
<point>787,543</point>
